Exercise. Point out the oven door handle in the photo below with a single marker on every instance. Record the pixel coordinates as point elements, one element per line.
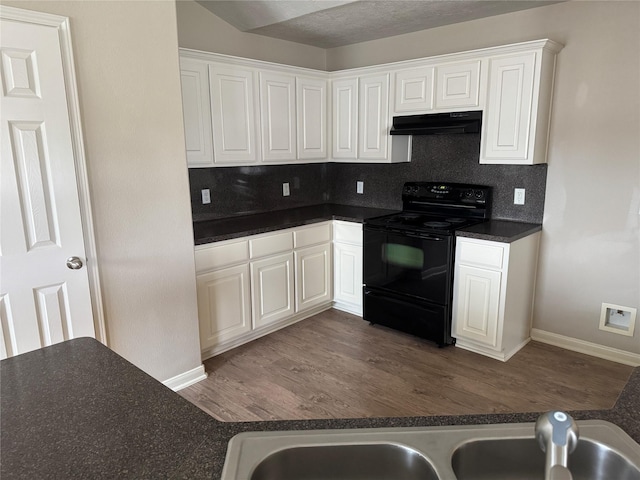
<point>424,236</point>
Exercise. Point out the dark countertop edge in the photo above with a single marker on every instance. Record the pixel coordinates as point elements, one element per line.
<point>246,225</point>
<point>504,231</point>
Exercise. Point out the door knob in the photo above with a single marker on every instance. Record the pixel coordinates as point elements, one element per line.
<point>74,263</point>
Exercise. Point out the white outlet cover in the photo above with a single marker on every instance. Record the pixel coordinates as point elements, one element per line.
<point>285,190</point>
<point>518,196</point>
<point>206,196</point>
<point>359,187</point>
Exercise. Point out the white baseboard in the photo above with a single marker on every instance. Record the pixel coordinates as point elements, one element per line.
<point>349,308</point>
<point>261,332</point>
<point>588,348</point>
<point>185,379</point>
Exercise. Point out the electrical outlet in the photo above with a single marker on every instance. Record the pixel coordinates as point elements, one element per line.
<point>206,196</point>
<point>518,196</point>
<point>360,187</point>
<point>285,190</point>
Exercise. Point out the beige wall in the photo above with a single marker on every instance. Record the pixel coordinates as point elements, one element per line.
<point>590,246</point>
<point>126,57</point>
<point>200,29</point>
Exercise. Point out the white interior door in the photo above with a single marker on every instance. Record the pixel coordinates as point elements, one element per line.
<point>44,297</point>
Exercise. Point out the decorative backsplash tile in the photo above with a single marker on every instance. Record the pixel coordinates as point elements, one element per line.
<point>450,158</point>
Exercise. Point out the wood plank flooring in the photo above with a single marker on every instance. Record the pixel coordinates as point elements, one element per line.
<point>336,365</point>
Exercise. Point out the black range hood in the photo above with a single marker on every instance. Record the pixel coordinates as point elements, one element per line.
<point>437,123</point>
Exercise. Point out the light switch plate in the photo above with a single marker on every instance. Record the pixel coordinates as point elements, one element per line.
<point>285,190</point>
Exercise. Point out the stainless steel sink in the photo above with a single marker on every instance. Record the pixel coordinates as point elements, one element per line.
<point>507,451</point>
<point>336,462</point>
<point>522,459</point>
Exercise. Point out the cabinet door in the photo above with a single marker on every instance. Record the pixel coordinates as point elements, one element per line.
<point>373,134</point>
<point>344,94</point>
<point>312,118</point>
<point>194,76</point>
<point>414,90</point>
<point>508,120</point>
<point>477,305</point>
<point>457,85</point>
<point>233,114</point>
<point>272,289</point>
<point>348,274</point>
<point>278,116</point>
<point>313,276</point>
<point>223,305</point>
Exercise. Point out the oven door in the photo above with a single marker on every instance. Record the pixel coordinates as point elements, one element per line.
<point>409,263</point>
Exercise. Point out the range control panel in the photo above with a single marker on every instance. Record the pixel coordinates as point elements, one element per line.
<point>446,193</point>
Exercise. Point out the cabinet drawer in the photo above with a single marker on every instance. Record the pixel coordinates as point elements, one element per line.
<point>210,257</point>
<point>347,232</point>
<point>480,254</point>
<point>313,235</point>
<point>270,244</point>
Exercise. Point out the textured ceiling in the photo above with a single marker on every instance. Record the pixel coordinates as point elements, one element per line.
<point>329,23</point>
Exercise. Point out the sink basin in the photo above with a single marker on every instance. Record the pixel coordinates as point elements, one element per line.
<point>471,452</point>
<point>522,459</point>
<point>336,462</point>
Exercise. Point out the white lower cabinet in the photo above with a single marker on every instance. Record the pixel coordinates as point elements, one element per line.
<point>347,266</point>
<point>223,305</point>
<point>252,286</point>
<point>272,289</point>
<point>313,276</point>
<point>494,285</point>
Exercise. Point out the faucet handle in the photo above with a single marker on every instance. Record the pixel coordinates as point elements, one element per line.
<point>558,429</point>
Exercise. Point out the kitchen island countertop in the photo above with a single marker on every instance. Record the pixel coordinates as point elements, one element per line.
<point>78,410</point>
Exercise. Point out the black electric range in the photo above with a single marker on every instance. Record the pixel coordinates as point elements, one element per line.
<point>409,256</point>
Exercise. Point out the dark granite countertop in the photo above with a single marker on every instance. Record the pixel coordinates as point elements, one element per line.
<point>78,410</point>
<point>505,231</point>
<point>214,230</point>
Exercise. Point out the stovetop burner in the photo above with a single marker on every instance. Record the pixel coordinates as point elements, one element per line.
<point>441,208</point>
<point>437,224</point>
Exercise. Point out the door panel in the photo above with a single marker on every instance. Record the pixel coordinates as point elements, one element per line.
<point>272,289</point>
<point>43,301</point>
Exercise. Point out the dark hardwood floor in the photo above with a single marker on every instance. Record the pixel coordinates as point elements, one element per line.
<point>336,365</point>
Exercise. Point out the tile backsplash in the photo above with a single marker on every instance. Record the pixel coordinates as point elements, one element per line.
<point>448,158</point>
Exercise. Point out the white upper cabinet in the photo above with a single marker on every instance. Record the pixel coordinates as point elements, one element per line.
<point>233,109</point>
<point>344,93</point>
<point>414,90</point>
<point>311,118</point>
<point>194,75</point>
<point>373,109</point>
<point>261,113</point>
<point>518,108</point>
<point>278,116</point>
<point>458,85</point>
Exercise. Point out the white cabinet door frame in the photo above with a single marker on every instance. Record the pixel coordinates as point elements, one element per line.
<point>414,90</point>
<point>196,106</point>
<point>233,108</point>
<point>312,118</point>
<point>344,94</point>
<point>458,85</point>
<point>272,284</point>
<point>313,276</point>
<point>278,116</point>
<point>224,308</point>
<point>478,303</point>
<point>509,127</point>
<point>373,138</point>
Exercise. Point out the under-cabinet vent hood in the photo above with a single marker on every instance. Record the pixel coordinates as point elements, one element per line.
<point>437,123</point>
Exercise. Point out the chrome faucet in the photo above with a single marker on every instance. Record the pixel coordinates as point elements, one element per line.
<point>557,435</point>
